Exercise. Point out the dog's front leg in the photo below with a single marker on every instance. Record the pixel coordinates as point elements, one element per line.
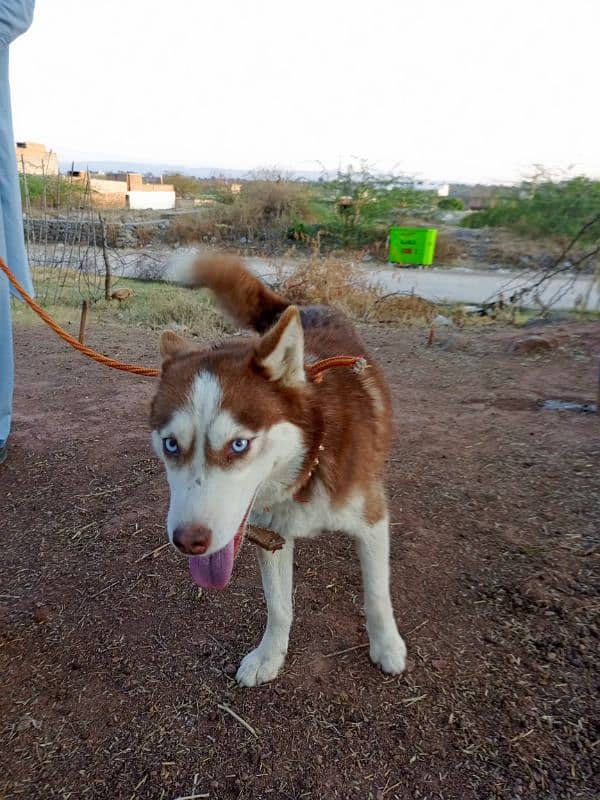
<point>263,664</point>
<point>387,648</point>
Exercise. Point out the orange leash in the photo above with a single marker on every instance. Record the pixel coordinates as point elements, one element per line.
<point>315,371</point>
<point>87,351</point>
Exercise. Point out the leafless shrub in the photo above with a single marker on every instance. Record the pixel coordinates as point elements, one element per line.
<point>112,234</point>
<point>447,250</point>
<point>261,213</point>
<point>336,282</point>
<point>205,226</point>
<point>144,234</point>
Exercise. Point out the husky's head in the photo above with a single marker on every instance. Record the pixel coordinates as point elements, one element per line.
<point>228,424</point>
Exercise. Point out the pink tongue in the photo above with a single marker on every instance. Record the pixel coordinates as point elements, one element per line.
<point>214,571</point>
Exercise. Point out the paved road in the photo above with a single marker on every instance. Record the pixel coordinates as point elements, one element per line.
<point>451,285</point>
<point>457,285</point>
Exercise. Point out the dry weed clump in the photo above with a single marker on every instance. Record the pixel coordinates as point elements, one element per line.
<point>337,283</point>
<point>145,234</point>
<point>262,212</point>
<point>206,226</point>
<point>506,247</point>
<point>448,250</point>
<point>265,204</point>
<point>404,308</point>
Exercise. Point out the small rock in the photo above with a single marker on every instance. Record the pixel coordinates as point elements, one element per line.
<point>42,614</point>
<point>27,722</point>
<point>533,344</point>
<point>454,344</point>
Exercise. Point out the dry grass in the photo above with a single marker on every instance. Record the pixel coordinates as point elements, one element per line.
<point>262,212</point>
<point>447,250</point>
<point>507,247</point>
<point>336,282</point>
<point>154,305</point>
<point>116,670</point>
<point>205,226</point>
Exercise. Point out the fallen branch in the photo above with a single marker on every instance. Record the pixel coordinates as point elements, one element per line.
<point>559,267</point>
<point>347,650</point>
<point>154,552</point>
<point>237,717</point>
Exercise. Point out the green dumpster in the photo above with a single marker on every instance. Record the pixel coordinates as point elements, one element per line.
<point>412,245</point>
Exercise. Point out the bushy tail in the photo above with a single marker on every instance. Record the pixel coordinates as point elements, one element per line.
<point>240,294</point>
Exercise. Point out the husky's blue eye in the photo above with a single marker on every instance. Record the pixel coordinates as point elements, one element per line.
<point>170,446</point>
<point>239,446</point>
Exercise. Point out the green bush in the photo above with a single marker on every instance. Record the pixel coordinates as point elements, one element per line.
<point>185,185</point>
<point>451,204</point>
<point>354,210</point>
<point>545,210</point>
<point>51,191</point>
<point>358,207</point>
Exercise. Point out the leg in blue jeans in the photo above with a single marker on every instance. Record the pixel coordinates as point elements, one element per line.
<point>6,361</point>
<point>15,18</point>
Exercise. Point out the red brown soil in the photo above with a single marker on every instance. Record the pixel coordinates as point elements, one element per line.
<point>114,668</point>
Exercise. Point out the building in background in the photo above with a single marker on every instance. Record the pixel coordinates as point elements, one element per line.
<point>34,159</point>
<point>130,193</point>
<point>441,189</point>
<point>142,195</point>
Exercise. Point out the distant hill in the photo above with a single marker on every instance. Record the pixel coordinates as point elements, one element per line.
<point>160,169</point>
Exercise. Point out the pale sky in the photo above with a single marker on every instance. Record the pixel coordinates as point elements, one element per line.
<point>443,89</point>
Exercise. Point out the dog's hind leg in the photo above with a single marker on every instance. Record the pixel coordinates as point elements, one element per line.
<point>387,648</point>
<point>263,664</point>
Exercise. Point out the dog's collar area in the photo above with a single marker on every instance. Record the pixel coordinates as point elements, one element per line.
<point>315,371</point>
<point>265,537</point>
<point>271,540</point>
<point>299,489</point>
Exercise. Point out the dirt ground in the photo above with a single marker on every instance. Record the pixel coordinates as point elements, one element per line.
<point>118,676</point>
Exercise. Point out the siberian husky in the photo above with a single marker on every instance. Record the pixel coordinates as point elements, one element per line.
<point>247,436</point>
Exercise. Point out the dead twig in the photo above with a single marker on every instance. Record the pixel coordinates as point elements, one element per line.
<point>409,701</point>
<point>192,796</point>
<point>347,650</point>
<point>522,735</point>
<point>152,553</point>
<point>140,784</point>
<point>237,717</point>
<point>78,533</point>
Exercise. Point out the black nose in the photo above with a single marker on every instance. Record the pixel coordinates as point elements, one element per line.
<point>193,540</point>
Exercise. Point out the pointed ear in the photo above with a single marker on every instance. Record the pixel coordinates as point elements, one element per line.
<point>280,352</point>
<point>171,344</point>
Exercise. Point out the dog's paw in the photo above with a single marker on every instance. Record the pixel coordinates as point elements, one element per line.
<point>259,666</point>
<point>389,653</point>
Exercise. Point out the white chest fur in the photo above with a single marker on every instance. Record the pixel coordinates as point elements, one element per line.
<point>294,519</point>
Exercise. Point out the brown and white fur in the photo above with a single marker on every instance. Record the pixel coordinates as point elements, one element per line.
<point>255,389</point>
